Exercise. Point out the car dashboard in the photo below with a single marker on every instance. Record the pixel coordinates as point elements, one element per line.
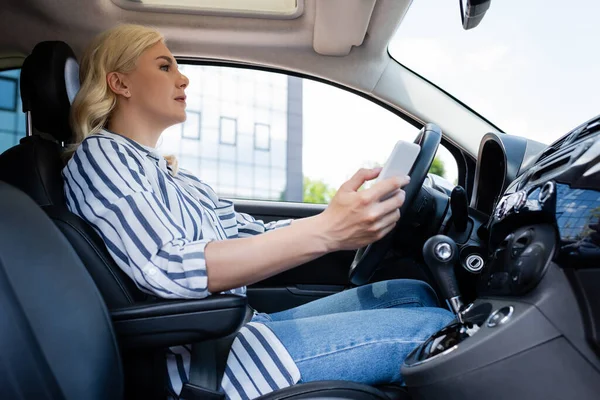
<point>532,327</point>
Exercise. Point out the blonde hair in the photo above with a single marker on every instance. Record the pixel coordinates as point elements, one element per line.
<point>115,50</point>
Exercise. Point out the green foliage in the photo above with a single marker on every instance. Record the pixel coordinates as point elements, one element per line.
<point>315,191</point>
<point>318,192</point>
<point>438,167</point>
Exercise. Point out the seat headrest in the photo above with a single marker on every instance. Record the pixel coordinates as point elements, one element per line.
<point>49,83</point>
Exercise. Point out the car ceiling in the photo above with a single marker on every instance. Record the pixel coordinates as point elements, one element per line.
<point>343,41</point>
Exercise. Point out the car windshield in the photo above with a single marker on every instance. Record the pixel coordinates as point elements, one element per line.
<point>530,67</point>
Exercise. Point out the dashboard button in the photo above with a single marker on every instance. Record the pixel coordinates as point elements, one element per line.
<point>501,208</point>
<point>500,316</point>
<point>521,200</point>
<point>546,192</point>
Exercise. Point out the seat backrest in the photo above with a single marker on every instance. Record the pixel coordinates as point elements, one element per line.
<point>49,83</point>
<point>56,338</point>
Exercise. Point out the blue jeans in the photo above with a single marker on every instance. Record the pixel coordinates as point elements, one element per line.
<point>362,334</point>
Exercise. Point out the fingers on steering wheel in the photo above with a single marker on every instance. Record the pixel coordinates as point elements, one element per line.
<point>387,230</point>
<point>383,188</point>
<point>389,219</point>
<point>394,202</point>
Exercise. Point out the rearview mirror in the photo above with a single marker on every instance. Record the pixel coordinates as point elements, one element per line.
<point>472,12</point>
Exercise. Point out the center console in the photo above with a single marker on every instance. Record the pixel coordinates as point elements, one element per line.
<point>509,348</point>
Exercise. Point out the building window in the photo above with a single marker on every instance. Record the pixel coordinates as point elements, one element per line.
<point>262,137</point>
<point>228,131</point>
<point>9,96</point>
<point>191,127</point>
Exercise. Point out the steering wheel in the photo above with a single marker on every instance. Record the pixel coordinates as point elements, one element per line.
<point>367,258</point>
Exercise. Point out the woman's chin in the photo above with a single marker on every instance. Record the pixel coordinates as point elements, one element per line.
<point>180,118</point>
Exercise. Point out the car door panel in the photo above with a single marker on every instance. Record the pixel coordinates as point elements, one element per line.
<point>318,278</point>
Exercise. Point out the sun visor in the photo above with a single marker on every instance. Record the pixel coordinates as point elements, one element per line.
<point>341,24</point>
<point>272,9</point>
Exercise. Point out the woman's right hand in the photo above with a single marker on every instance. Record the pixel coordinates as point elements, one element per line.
<point>355,218</point>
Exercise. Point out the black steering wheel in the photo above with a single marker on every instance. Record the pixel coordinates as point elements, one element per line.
<point>367,258</point>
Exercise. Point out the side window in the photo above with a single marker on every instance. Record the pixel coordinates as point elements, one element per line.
<point>268,136</point>
<point>12,119</point>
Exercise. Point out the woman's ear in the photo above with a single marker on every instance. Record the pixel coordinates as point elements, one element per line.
<point>117,84</point>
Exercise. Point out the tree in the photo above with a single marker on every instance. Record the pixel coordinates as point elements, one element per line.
<point>315,191</point>
<point>438,167</point>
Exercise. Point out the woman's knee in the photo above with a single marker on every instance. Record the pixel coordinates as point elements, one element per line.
<point>412,288</point>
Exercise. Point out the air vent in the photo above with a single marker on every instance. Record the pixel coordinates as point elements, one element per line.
<point>550,168</point>
<point>554,147</point>
<point>591,129</point>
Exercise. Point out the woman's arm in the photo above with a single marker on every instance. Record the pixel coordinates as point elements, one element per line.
<point>352,220</point>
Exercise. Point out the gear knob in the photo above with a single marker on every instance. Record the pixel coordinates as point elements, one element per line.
<point>441,254</point>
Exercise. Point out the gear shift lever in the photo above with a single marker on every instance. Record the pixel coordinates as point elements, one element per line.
<point>441,254</point>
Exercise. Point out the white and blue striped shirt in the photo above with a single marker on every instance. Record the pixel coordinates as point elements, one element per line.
<point>156,225</point>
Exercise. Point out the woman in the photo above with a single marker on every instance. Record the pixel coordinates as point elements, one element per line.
<point>176,238</point>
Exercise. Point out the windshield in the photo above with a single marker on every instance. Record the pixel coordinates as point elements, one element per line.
<point>531,67</point>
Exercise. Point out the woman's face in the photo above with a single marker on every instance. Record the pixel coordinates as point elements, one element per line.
<point>156,88</point>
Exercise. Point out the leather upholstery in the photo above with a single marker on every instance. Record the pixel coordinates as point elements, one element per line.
<point>56,339</point>
<point>118,289</point>
<point>35,164</point>
<point>49,82</point>
<point>326,390</point>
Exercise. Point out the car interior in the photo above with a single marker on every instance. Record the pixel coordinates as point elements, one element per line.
<point>513,249</point>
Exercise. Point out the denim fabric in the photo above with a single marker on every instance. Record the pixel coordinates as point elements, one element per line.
<point>362,334</point>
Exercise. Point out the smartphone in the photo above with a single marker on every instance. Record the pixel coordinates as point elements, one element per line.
<point>400,161</point>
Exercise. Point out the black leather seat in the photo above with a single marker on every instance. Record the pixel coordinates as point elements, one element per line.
<point>49,82</point>
<point>56,337</point>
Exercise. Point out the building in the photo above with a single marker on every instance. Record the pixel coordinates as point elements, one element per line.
<point>243,133</point>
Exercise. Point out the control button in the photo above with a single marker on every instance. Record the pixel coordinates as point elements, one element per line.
<point>443,251</point>
<point>474,263</point>
<point>500,316</point>
<point>521,200</point>
<point>546,192</point>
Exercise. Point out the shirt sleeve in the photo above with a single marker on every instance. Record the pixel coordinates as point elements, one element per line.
<point>246,224</point>
<point>105,184</point>
<point>249,226</point>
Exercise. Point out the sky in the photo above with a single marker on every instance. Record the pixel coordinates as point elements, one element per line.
<point>531,67</point>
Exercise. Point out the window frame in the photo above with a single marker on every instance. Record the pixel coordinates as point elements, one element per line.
<point>235,135</point>
<point>14,64</point>
<point>465,162</point>
<point>15,81</point>
<point>199,137</point>
<point>268,148</point>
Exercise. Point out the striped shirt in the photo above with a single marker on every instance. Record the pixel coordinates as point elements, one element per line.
<point>156,224</point>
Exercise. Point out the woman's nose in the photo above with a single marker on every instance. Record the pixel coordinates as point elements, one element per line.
<point>183,81</point>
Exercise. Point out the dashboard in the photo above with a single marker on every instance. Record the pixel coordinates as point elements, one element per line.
<point>542,206</point>
<point>530,327</point>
